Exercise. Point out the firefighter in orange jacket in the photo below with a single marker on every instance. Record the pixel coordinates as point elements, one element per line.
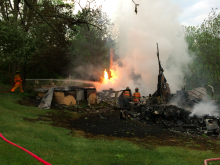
<point>18,82</point>
<point>126,93</point>
<point>136,96</point>
<point>127,97</point>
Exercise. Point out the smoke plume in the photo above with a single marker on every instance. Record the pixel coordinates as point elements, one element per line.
<point>205,107</point>
<point>155,22</point>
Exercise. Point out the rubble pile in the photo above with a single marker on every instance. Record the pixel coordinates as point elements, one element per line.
<point>175,118</point>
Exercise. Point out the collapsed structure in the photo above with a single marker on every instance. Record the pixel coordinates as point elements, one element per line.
<point>169,110</point>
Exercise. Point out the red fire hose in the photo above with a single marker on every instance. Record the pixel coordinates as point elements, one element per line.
<point>9,90</point>
<point>208,160</point>
<point>35,156</point>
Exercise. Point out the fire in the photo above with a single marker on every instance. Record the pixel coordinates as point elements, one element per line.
<point>105,75</point>
<point>109,78</point>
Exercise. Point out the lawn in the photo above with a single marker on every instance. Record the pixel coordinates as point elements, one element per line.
<point>56,146</point>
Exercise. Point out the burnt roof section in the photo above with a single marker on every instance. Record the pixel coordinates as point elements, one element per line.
<point>65,89</point>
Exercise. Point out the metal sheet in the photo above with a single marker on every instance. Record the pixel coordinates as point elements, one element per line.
<point>46,100</point>
<point>79,95</point>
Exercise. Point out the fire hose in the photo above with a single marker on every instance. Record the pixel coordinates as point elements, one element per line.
<point>208,160</point>
<point>35,156</point>
<point>9,90</point>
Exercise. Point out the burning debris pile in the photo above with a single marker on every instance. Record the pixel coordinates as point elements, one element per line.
<point>175,118</point>
<point>178,112</point>
<point>174,111</point>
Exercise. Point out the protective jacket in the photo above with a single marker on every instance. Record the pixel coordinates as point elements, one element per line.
<point>136,95</point>
<point>126,94</point>
<point>18,83</point>
<point>17,79</point>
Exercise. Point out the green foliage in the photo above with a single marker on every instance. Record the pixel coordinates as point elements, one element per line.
<point>118,156</point>
<point>15,45</point>
<point>90,49</point>
<point>204,135</point>
<point>40,37</point>
<point>203,43</point>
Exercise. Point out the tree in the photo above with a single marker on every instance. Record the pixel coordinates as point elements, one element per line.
<point>204,41</point>
<point>40,32</point>
<point>91,48</point>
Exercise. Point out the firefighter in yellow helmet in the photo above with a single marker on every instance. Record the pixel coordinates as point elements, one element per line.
<point>136,96</point>
<point>18,82</point>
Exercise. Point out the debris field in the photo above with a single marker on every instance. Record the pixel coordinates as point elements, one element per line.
<point>106,123</point>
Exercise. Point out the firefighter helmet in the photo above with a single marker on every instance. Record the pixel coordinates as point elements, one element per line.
<point>127,87</point>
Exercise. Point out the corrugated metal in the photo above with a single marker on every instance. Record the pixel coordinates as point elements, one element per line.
<point>198,93</point>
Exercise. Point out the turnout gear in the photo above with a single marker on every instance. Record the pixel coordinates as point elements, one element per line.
<point>126,93</point>
<point>127,98</point>
<point>136,96</point>
<point>18,82</point>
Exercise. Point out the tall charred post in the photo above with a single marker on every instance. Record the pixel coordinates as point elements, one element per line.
<point>163,89</point>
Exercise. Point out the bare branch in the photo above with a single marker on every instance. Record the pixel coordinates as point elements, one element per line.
<point>136,5</point>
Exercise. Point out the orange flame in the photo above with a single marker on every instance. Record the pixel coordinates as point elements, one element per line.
<point>109,78</point>
<point>105,75</point>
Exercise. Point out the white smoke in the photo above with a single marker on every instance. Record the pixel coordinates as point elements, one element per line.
<point>205,107</point>
<point>156,21</point>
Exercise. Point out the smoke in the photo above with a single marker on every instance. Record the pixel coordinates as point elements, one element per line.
<point>205,107</point>
<point>155,22</point>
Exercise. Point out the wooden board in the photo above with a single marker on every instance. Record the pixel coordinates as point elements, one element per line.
<point>92,97</point>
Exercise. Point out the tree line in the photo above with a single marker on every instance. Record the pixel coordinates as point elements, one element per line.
<point>204,45</point>
<point>44,38</point>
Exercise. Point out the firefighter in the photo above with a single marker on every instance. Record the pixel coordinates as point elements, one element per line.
<point>136,96</point>
<point>126,93</point>
<point>18,82</point>
<point>127,97</point>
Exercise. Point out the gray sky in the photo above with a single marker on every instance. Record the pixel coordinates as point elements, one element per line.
<point>193,11</point>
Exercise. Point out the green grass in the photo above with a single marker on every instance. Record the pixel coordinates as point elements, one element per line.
<point>54,145</point>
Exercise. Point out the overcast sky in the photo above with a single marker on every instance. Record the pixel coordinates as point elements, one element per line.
<point>193,11</point>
